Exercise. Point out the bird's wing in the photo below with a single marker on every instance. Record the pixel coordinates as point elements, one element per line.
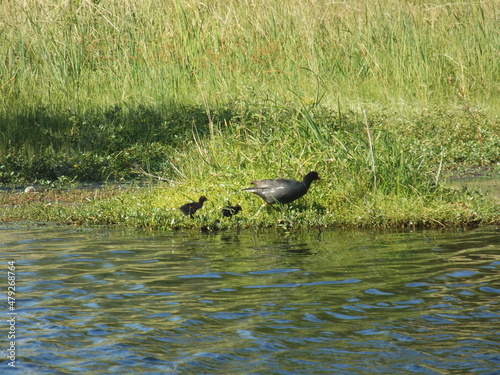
<point>266,184</point>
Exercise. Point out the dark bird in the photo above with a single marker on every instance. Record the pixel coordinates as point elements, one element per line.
<point>229,210</point>
<point>191,208</point>
<point>282,190</point>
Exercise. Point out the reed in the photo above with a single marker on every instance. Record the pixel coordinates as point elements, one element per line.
<point>81,55</point>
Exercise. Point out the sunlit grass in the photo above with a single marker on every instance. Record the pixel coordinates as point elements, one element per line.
<point>156,208</point>
<point>84,55</point>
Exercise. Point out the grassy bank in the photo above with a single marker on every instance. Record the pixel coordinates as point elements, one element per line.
<point>382,99</point>
<point>371,176</point>
<point>156,208</point>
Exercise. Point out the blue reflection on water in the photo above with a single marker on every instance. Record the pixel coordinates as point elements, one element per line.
<point>110,302</point>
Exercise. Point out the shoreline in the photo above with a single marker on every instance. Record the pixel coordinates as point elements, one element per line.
<point>136,206</point>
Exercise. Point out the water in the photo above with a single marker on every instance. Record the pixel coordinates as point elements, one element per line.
<point>122,301</point>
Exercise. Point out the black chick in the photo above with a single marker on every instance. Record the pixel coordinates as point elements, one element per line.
<point>191,208</point>
<point>229,210</point>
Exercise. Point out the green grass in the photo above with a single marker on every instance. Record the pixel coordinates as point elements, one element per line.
<point>84,55</point>
<point>382,98</point>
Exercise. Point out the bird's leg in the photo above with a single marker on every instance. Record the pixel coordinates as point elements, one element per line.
<point>261,207</point>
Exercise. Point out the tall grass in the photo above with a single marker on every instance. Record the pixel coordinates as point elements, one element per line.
<point>86,54</point>
<point>288,145</point>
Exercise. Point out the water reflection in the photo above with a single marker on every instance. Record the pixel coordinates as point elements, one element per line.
<point>111,301</point>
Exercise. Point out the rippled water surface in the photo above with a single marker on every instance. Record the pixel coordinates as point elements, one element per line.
<point>102,301</point>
